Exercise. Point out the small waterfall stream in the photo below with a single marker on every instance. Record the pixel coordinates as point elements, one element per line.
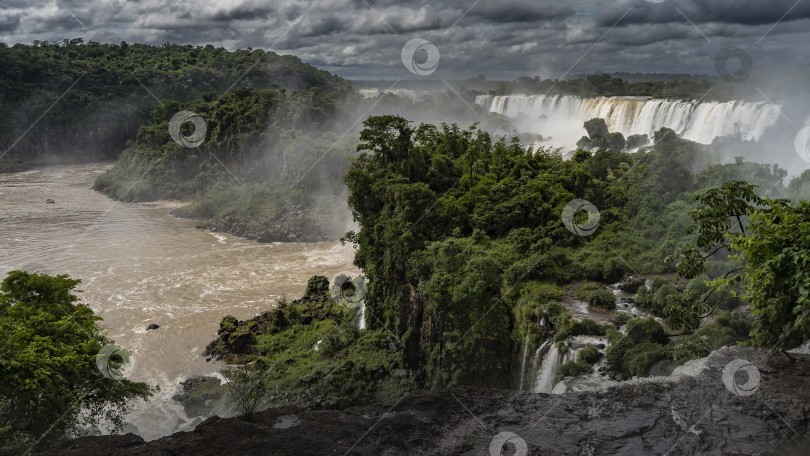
<point>548,368</point>
<point>547,361</point>
<point>523,363</point>
<point>361,311</point>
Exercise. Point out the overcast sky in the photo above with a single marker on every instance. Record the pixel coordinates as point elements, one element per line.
<point>363,39</point>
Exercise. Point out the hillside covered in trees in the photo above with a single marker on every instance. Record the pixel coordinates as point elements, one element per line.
<point>469,255</point>
<point>87,100</point>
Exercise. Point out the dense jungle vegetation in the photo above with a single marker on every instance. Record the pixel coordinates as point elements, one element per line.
<point>466,253</point>
<point>461,234</point>
<point>278,132</point>
<point>96,96</point>
<point>465,248</point>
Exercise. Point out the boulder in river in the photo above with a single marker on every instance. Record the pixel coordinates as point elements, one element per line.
<point>632,283</point>
<point>152,326</point>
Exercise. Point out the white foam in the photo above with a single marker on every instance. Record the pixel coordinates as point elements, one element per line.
<point>699,121</point>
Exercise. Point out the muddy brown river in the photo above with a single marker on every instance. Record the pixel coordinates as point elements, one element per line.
<point>139,265</point>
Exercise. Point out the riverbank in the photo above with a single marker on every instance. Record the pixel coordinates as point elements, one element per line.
<point>677,415</point>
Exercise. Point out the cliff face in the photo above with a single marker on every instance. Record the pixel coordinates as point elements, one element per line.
<point>745,402</point>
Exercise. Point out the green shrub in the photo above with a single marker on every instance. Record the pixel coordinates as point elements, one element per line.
<point>644,298</point>
<point>586,289</point>
<point>613,335</point>
<point>337,337</point>
<point>657,283</point>
<point>642,349</point>
<point>641,330</point>
<point>726,329</point>
<point>563,333</point>
<point>659,298</point>
<point>544,292</point>
<point>590,354</point>
<point>640,358</point>
<point>587,327</point>
<point>603,298</point>
<point>572,368</point>
<point>557,315</point>
<point>622,318</point>
<point>615,353</point>
<point>247,389</point>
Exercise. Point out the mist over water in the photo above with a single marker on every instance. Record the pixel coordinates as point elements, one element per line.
<point>139,265</point>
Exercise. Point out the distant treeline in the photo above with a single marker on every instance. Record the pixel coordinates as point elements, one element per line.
<point>600,84</point>
<point>89,99</point>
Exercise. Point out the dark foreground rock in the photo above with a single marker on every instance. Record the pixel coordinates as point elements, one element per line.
<point>674,416</point>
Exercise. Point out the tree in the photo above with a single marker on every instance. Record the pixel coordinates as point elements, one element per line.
<point>777,272</point>
<point>51,382</point>
<point>712,221</point>
<point>776,247</point>
<point>734,200</point>
<point>387,137</point>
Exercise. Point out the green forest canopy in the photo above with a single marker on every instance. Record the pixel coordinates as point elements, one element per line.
<point>460,232</point>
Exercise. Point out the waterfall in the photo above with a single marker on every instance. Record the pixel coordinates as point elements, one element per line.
<point>547,370</point>
<point>560,117</point>
<point>523,362</point>
<point>361,311</point>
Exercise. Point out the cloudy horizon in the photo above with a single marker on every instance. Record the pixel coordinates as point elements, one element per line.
<point>363,39</point>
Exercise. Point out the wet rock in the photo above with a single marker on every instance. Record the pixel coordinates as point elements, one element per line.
<point>682,415</point>
<point>632,283</point>
<point>152,326</point>
<point>202,396</point>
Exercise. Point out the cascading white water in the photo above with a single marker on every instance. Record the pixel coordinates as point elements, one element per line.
<point>560,117</point>
<point>547,370</point>
<point>361,311</point>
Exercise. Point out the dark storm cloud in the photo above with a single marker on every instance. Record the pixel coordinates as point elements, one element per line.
<point>744,12</point>
<point>9,23</point>
<point>527,11</point>
<point>499,38</point>
<point>241,13</point>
